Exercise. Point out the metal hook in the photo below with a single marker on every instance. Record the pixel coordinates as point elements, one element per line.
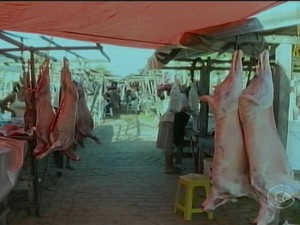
<point>237,42</point>
<point>253,50</point>
<point>262,44</point>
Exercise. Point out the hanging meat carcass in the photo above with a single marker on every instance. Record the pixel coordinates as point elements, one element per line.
<point>63,127</point>
<point>29,105</point>
<point>230,170</point>
<point>271,174</point>
<point>84,120</point>
<point>44,111</point>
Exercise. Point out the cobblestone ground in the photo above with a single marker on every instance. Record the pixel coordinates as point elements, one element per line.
<point>121,182</point>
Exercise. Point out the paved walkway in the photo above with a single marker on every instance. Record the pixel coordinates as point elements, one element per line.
<point>121,182</point>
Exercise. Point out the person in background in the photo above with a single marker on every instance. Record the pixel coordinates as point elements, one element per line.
<point>171,130</point>
<point>115,100</point>
<point>15,102</point>
<point>180,121</point>
<point>109,104</point>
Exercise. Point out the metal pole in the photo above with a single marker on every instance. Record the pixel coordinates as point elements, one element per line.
<point>34,165</point>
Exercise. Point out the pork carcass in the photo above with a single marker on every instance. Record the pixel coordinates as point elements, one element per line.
<point>29,105</point>
<point>270,171</point>
<point>63,127</point>
<point>44,111</point>
<point>84,120</point>
<point>230,169</point>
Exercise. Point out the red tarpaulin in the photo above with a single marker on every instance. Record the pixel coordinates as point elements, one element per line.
<point>127,23</point>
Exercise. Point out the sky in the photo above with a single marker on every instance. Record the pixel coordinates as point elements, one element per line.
<point>124,60</point>
<point>127,60</point>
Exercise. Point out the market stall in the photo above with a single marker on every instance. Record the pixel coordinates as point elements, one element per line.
<point>23,136</point>
<point>206,47</point>
<point>201,46</point>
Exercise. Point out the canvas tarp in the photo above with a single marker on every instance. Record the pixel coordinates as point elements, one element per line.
<point>143,24</point>
<point>252,35</point>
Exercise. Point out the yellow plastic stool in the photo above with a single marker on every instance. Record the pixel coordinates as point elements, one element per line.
<point>189,182</point>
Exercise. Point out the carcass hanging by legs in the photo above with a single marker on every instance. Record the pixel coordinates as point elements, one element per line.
<point>84,120</point>
<point>44,112</point>
<point>230,170</point>
<point>63,127</point>
<point>269,167</point>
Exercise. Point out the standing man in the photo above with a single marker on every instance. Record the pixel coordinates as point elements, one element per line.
<point>171,127</point>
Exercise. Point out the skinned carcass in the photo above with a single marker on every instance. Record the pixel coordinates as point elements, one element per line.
<point>230,169</point>
<point>29,104</point>
<point>270,173</point>
<point>44,111</point>
<point>62,133</point>
<point>84,120</point>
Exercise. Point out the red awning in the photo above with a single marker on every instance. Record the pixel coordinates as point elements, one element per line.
<point>126,23</point>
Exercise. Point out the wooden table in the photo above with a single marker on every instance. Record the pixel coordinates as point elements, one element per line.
<point>4,211</point>
<point>29,180</point>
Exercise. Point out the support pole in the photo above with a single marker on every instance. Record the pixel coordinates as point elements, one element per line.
<point>35,196</point>
<point>203,114</point>
<point>204,109</point>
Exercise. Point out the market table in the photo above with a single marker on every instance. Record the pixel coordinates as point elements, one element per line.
<point>28,177</point>
<point>11,162</point>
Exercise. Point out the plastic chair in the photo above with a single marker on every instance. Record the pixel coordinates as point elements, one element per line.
<point>190,182</point>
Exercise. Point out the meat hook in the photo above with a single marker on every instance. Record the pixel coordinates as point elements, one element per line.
<point>236,47</point>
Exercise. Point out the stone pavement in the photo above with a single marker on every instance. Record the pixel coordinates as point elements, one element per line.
<point>121,182</point>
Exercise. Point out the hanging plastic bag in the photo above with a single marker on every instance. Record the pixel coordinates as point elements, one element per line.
<point>175,99</point>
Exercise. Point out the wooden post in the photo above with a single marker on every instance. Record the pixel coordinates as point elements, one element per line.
<point>286,105</point>
<point>34,166</point>
<point>203,114</point>
<point>193,68</point>
<point>282,75</point>
<point>204,109</point>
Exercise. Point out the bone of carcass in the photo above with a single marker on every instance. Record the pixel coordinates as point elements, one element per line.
<point>63,127</point>
<point>230,169</point>
<point>44,111</point>
<point>84,121</point>
<point>269,166</point>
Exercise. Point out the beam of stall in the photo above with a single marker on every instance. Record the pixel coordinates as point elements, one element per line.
<point>22,47</point>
